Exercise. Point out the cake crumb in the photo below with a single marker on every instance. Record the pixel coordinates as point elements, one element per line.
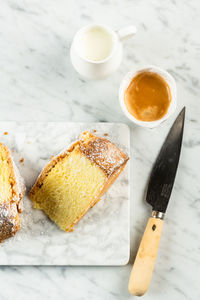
<point>5,133</point>
<point>51,157</point>
<point>94,130</point>
<point>105,134</point>
<point>21,160</point>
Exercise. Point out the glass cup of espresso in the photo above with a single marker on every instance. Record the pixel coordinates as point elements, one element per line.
<point>96,50</point>
<point>148,96</point>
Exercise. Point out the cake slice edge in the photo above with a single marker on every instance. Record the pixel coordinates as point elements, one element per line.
<point>9,210</point>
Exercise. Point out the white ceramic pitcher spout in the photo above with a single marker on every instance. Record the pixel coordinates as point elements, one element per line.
<point>98,69</point>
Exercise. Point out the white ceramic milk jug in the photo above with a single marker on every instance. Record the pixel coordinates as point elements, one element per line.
<point>96,50</point>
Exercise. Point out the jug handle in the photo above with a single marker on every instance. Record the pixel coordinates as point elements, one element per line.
<point>126,32</point>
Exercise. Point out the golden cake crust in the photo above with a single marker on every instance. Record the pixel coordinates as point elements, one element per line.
<point>102,152</point>
<point>9,210</point>
<point>99,151</point>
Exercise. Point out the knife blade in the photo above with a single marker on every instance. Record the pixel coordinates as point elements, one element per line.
<point>164,171</point>
<point>158,194</point>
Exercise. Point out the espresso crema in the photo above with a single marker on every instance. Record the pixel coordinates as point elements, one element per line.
<point>148,96</point>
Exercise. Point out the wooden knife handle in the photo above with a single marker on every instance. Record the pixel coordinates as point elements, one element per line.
<point>146,256</point>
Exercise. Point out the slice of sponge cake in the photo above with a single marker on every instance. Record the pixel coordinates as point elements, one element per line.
<point>11,192</point>
<point>75,180</point>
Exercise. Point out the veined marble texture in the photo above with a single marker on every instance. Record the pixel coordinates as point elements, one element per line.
<point>99,233</point>
<point>38,83</point>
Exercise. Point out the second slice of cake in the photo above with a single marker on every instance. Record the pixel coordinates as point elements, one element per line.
<point>76,179</point>
<point>12,189</point>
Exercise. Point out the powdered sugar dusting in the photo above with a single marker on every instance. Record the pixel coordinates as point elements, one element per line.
<point>102,152</point>
<point>9,219</point>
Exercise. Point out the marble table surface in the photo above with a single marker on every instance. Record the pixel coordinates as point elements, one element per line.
<point>38,83</point>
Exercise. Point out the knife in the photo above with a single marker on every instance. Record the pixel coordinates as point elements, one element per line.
<point>158,193</point>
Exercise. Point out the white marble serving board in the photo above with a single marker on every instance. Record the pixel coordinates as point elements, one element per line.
<point>102,235</point>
